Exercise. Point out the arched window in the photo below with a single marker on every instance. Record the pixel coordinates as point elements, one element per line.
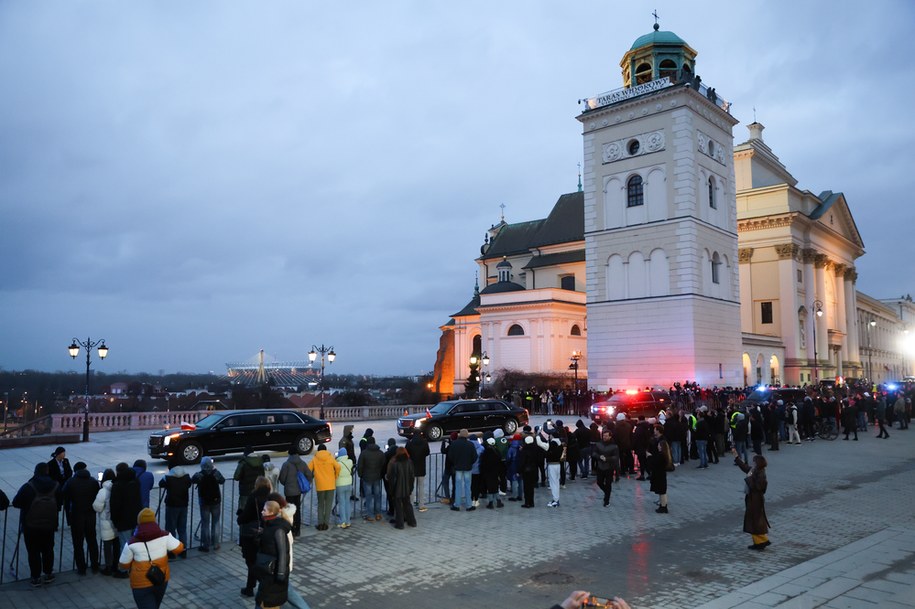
<point>576,331</point>
<point>635,192</point>
<point>716,265</point>
<point>711,193</point>
<point>477,345</point>
<point>669,69</point>
<point>643,73</point>
<point>516,330</point>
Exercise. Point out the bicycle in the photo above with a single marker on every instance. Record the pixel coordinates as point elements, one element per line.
<point>827,430</point>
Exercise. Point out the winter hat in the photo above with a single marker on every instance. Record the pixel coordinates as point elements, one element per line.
<point>464,433</point>
<point>177,471</point>
<point>491,441</point>
<point>141,463</point>
<point>41,469</point>
<point>529,439</point>
<point>207,464</point>
<point>498,434</point>
<point>527,429</point>
<point>392,442</point>
<point>621,417</point>
<point>342,452</point>
<point>779,403</point>
<point>248,450</point>
<point>79,465</point>
<point>58,450</point>
<point>453,436</point>
<point>517,436</point>
<point>322,447</point>
<point>145,516</point>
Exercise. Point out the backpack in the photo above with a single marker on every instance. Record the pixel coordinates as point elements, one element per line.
<point>304,484</point>
<point>208,489</point>
<point>42,514</point>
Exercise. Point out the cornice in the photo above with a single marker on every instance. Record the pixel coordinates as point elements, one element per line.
<point>764,223</point>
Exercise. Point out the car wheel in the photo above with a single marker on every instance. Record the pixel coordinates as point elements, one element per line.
<point>305,444</point>
<point>510,427</point>
<point>191,453</point>
<point>434,433</point>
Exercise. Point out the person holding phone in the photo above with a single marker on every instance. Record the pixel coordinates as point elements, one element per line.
<point>580,598</point>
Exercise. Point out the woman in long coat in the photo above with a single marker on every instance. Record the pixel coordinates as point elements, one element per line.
<point>754,518</point>
<point>658,459</point>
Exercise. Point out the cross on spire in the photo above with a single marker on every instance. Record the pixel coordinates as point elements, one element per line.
<point>503,211</point>
<point>655,15</point>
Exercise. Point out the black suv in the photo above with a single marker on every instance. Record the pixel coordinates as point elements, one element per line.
<point>472,415</point>
<point>764,394</point>
<point>632,403</point>
<point>231,431</point>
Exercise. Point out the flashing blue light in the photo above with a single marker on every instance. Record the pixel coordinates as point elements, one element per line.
<point>762,388</point>
<point>892,386</point>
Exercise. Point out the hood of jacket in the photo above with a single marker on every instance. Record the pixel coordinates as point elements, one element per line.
<point>295,459</point>
<point>253,460</point>
<point>323,456</point>
<point>176,472</point>
<point>43,484</point>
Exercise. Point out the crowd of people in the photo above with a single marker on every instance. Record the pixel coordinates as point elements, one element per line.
<point>489,470</point>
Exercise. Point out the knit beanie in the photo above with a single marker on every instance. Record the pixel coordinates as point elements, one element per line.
<point>146,515</point>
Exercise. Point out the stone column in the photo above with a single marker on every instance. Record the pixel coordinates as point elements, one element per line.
<point>841,317</point>
<point>823,323</point>
<point>788,300</point>
<point>851,315</point>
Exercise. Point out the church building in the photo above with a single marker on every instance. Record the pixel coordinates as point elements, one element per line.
<point>681,256</point>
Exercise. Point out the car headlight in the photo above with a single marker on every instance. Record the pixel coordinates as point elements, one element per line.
<point>419,423</point>
<point>168,439</point>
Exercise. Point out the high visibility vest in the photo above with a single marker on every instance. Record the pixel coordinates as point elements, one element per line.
<point>691,420</point>
<point>734,419</point>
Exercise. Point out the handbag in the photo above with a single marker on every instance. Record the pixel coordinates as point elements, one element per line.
<point>265,564</point>
<point>154,574</point>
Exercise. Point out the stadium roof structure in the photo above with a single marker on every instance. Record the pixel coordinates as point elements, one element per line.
<point>259,371</point>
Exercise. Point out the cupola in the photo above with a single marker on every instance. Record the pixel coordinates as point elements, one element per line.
<point>656,55</point>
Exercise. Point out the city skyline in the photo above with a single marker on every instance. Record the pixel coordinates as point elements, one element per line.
<point>194,183</point>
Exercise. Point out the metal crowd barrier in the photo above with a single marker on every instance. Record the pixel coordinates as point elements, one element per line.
<point>14,557</point>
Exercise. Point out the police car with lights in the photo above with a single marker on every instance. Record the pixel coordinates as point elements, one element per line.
<point>633,403</point>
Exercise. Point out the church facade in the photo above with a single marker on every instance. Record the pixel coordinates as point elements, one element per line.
<point>681,256</point>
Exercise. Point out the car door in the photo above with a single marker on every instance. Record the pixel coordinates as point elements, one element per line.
<point>463,416</point>
<point>284,429</point>
<point>225,434</point>
<point>492,415</point>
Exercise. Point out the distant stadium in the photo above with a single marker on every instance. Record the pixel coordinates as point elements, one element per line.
<point>263,369</point>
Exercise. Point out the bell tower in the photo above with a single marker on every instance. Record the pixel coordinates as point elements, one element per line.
<point>660,225</point>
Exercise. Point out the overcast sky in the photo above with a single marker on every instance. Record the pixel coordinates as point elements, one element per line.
<point>194,181</point>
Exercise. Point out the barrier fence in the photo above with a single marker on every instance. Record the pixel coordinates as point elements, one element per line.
<point>14,557</point>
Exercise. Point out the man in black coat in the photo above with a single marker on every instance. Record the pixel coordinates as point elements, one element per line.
<point>59,470</point>
<point>78,495</point>
<point>38,529</point>
<point>371,472</point>
<point>126,503</point>
<point>607,456</point>
<point>640,438</point>
<point>418,449</point>
<point>462,455</point>
<point>401,480</point>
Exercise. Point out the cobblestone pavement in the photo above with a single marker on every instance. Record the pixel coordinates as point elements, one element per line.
<point>843,533</point>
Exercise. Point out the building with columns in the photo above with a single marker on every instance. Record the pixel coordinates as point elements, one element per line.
<point>681,257</point>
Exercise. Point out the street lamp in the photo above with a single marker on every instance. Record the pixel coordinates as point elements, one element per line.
<point>102,353</point>
<point>817,312</point>
<point>870,352</point>
<point>327,352</point>
<point>484,361</point>
<point>574,359</point>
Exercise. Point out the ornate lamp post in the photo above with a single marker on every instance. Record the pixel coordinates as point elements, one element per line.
<point>574,359</point>
<point>817,312</point>
<point>328,353</point>
<point>484,361</point>
<point>88,345</point>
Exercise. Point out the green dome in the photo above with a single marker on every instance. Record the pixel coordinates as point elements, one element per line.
<point>656,37</point>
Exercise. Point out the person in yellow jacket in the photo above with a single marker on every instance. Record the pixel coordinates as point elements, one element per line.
<point>325,469</point>
<point>148,546</point>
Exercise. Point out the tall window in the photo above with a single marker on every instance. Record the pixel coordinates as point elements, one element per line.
<point>716,265</point>
<point>711,193</point>
<point>766,312</point>
<point>635,192</point>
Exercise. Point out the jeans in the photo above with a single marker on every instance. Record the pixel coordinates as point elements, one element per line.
<point>418,493</point>
<point>149,598</point>
<point>462,488</point>
<point>584,462</point>
<point>553,472</point>
<point>176,522</point>
<point>741,447</point>
<point>703,452</point>
<point>293,598</point>
<point>516,487</point>
<point>343,503</point>
<point>675,451</point>
<point>209,524</point>
<point>372,493</point>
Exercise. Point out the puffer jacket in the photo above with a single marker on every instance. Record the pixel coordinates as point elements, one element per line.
<point>135,557</point>
<point>345,477</point>
<point>289,475</point>
<point>102,505</point>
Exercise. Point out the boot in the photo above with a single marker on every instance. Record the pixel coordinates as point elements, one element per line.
<point>489,505</point>
<point>662,509</point>
<point>499,503</point>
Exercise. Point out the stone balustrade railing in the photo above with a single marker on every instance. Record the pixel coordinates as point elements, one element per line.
<point>128,421</point>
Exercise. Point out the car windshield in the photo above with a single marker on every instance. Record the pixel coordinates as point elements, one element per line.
<point>209,420</point>
<point>441,408</point>
<point>760,395</point>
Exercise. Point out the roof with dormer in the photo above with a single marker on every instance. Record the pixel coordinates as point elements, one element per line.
<point>566,223</point>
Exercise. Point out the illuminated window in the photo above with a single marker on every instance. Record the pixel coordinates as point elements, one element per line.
<point>635,192</point>
<point>516,330</point>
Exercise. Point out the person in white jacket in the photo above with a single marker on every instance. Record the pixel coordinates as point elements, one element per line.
<point>107,532</point>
